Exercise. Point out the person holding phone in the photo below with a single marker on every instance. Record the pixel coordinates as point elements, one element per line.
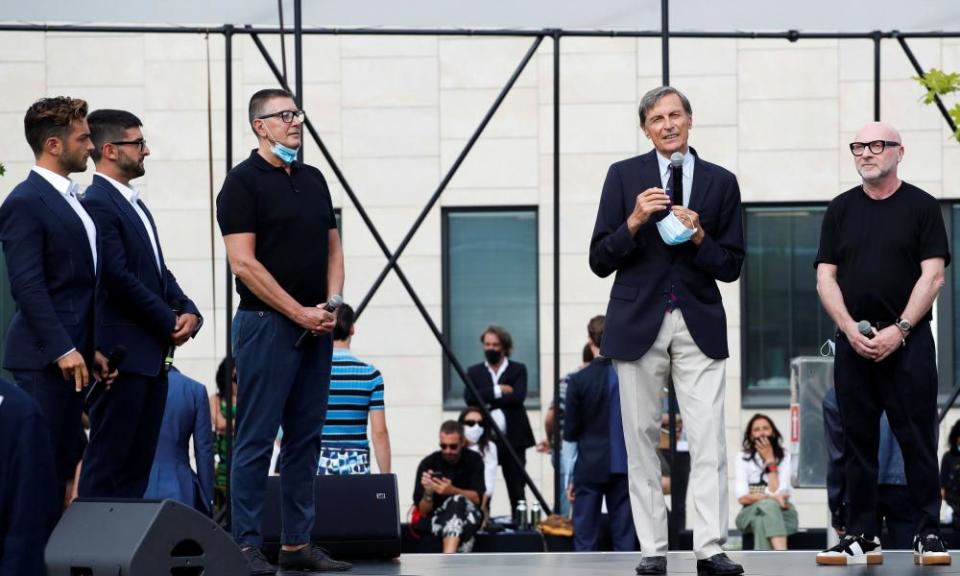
<point>448,494</point>
<point>763,486</point>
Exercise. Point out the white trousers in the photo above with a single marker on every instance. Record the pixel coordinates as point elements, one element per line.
<point>699,382</point>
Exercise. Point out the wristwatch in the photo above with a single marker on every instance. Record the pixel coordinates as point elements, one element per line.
<point>904,325</point>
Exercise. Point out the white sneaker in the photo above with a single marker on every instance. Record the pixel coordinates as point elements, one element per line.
<point>930,551</point>
<point>852,550</point>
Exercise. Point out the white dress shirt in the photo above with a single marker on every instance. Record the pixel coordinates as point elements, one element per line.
<point>497,413</point>
<point>132,195</point>
<point>687,174</point>
<point>69,190</point>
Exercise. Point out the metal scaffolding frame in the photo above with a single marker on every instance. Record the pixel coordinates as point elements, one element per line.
<point>229,31</point>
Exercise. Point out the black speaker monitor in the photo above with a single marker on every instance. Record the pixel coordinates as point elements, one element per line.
<point>140,538</point>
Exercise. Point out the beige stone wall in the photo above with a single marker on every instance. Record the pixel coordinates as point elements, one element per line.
<point>395,113</point>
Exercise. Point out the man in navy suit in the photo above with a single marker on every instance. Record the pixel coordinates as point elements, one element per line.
<point>140,306</point>
<point>27,479</point>
<point>50,245</point>
<point>592,419</point>
<point>666,320</point>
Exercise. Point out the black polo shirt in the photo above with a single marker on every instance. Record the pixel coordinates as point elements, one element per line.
<point>291,214</point>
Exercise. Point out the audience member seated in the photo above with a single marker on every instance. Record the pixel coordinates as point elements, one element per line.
<point>763,486</point>
<point>593,420</point>
<point>356,393</point>
<point>218,413</point>
<point>478,439</point>
<point>950,473</point>
<point>502,386</point>
<point>447,496</point>
<point>186,415</point>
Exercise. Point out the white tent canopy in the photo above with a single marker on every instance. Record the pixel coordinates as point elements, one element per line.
<point>830,16</point>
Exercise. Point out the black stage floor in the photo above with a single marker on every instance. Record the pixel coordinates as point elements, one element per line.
<point>800,563</point>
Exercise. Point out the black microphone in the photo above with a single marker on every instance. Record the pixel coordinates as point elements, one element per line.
<point>331,306</point>
<point>676,173</point>
<point>865,328</point>
<point>116,358</point>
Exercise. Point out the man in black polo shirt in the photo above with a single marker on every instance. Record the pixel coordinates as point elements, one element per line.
<point>883,250</point>
<point>281,238</point>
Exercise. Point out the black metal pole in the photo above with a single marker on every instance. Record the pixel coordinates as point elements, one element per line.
<point>450,173</point>
<point>665,40</point>
<point>672,536</point>
<point>559,488</point>
<point>916,66</point>
<point>298,60</point>
<point>228,151</point>
<point>876,76</point>
<point>404,281</point>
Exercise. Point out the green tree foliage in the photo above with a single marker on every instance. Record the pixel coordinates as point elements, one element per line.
<point>939,83</point>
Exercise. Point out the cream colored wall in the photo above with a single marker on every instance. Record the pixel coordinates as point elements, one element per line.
<point>395,113</point>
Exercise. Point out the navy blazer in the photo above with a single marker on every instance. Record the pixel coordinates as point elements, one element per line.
<point>519,432</point>
<point>586,421</point>
<point>186,415</point>
<point>52,277</point>
<point>28,483</point>
<point>646,267</point>
<point>136,300</point>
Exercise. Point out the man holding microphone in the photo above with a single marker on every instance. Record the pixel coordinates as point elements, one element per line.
<point>278,224</point>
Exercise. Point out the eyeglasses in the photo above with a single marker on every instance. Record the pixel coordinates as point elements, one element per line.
<point>876,147</point>
<point>472,423</point>
<point>285,115</point>
<point>140,143</point>
<point>449,446</point>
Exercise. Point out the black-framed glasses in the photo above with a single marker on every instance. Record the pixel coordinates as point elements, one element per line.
<point>285,115</point>
<point>140,143</point>
<point>876,147</point>
<point>472,423</point>
<point>451,447</point>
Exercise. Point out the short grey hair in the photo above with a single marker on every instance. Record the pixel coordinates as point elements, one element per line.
<point>651,98</point>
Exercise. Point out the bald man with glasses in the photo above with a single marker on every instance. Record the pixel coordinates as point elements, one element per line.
<point>880,267</point>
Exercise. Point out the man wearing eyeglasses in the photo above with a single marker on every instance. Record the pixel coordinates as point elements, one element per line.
<point>140,306</point>
<point>281,237</point>
<point>883,250</point>
<point>447,495</point>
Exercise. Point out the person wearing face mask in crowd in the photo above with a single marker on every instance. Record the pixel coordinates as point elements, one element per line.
<point>669,243</point>
<point>280,232</point>
<point>763,486</point>
<point>478,439</point>
<point>502,386</point>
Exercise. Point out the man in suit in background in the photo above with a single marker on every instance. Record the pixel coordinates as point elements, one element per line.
<point>502,385</point>
<point>140,306</point>
<point>50,245</point>
<point>593,421</point>
<point>669,243</point>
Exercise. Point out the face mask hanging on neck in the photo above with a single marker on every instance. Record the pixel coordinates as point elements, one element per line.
<point>285,154</point>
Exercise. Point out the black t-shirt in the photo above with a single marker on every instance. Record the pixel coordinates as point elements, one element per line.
<point>291,214</point>
<point>878,245</point>
<point>466,474</point>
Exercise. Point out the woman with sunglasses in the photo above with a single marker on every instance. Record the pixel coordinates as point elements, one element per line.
<point>478,439</point>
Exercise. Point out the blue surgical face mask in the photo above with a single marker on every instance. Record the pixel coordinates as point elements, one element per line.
<point>673,231</point>
<point>285,154</point>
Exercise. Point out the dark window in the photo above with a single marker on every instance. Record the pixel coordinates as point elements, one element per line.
<point>781,315</point>
<point>490,276</point>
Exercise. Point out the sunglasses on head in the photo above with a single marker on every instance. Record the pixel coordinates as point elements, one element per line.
<point>471,423</point>
<point>449,446</point>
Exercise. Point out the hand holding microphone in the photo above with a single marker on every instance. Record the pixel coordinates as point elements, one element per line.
<point>330,307</point>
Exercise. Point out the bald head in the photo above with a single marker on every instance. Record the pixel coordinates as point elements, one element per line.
<point>877,150</point>
<point>878,131</point>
